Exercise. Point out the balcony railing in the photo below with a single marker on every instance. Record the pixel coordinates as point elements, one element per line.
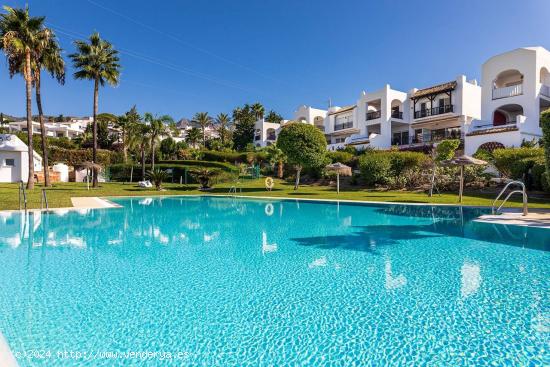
<point>373,115</point>
<point>434,111</point>
<point>505,92</point>
<point>434,136</point>
<point>342,126</point>
<point>545,90</point>
<point>397,115</point>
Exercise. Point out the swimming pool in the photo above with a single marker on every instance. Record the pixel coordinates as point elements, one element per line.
<point>224,281</point>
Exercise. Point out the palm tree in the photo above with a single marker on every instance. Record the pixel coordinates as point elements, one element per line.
<point>21,37</point>
<point>141,139</point>
<point>204,121</point>
<point>96,60</point>
<point>49,59</point>
<point>276,157</point>
<point>129,125</point>
<point>222,123</point>
<point>193,136</point>
<point>273,117</point>
<point>258,110</point>
<point>158,127</point>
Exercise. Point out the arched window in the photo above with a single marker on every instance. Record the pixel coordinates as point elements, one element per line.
<point>508,78</point>
<point>271,135</point>
<point>507,114</point>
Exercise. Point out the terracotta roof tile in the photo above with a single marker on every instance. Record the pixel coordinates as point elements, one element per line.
<point>493,130</point>
<point>435,89</point>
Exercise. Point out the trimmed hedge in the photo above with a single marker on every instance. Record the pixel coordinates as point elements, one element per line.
<point>121,172</point>
<point>75,156</point>
<point>196,163</point>
<point>232,157</point>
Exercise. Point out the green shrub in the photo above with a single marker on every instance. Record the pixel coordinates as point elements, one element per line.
<point>375,168</point>
<point>396,168</point>
<point>342,157</point>
<point>514,162</point>
<point>538,171</point>
<point>404,161</point>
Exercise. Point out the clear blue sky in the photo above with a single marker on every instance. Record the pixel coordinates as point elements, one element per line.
<point>180,57</point>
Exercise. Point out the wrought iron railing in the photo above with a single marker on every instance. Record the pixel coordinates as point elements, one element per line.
<point>344,125</point>
<point>373,115</point>
<point>434,111</point>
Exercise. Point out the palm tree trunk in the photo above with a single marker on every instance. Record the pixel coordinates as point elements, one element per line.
<point>298,171</point>
<point>124,147</point>
<point>94,133</point>
<point>280,169</point>
<point>28,85</point>
<point>152,154</point>
<point>42,130</point>
<point>142,161</point>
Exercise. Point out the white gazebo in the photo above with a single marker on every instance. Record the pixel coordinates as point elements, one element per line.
<point>14,159</point>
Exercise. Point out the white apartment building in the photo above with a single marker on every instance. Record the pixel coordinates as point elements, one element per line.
<point>68,129</point>
<point>516,90</point>
<point>266,133</point>
<point>503,112</point>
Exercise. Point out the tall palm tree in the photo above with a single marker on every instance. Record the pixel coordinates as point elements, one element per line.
<point>140,139</point>
<point>50,59</point>
<point>193,136</point>
<point>222,124</point>
<point>21,37</point>
<point>96,60</point>
<point>127,124</point>
<point>204,121</point>
<point>258,110</point>
<point>158,127</point>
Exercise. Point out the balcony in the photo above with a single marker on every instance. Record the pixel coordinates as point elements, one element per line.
<point>434,111</point>
<point>373,115</point>
<point>505,92</point>
<point>342,126</point>
<point>397,115</point>
<point>545,90</point>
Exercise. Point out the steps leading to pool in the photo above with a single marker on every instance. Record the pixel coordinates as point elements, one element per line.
<point>535,218</point>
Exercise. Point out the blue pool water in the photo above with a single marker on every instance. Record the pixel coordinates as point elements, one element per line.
<point>228,282</point>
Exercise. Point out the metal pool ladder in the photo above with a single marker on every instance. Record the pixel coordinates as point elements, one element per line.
<point>522,192</point>
<point>22,195</point>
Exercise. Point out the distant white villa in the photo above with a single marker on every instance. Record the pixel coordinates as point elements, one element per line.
<point>68,129</point>
<point>503,111</point>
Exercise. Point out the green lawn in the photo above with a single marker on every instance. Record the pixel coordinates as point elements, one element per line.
<point>60,195</point>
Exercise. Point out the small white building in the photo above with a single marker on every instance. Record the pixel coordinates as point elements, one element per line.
<point>14,159</point>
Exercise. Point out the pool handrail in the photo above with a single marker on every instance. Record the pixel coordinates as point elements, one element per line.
<point>522,191</point>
